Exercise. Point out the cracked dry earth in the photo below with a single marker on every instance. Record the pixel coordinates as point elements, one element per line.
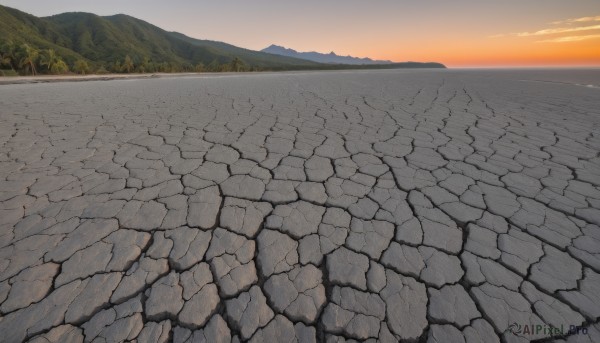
<point>432,206</point>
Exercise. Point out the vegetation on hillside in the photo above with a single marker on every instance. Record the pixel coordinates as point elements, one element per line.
<point>118,44</point>
<point>24,59</point>
<point>87,43</point>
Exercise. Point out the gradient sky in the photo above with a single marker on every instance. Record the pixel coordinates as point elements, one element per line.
<point>459,33</point>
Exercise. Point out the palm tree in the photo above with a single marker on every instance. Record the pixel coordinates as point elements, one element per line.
<point>127,64</point>
<point>49,59</point>
<point>8,52</point>
<point>59,67</point>
<point>29,58</point>
<point>81,67</point>
<point>4,58</point>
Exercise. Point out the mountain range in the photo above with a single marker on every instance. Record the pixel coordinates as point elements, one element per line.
<point>103,40</point>
<point>330,58</point>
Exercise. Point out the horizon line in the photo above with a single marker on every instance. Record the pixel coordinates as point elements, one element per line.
<point>562,66</point>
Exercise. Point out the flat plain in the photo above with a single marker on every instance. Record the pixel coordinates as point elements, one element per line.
<point>403,205</point>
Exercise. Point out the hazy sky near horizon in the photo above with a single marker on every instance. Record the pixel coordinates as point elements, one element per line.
<point>460,33</point>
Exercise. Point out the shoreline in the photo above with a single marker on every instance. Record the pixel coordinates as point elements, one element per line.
<point>38,79</point>
<point>15,80</point>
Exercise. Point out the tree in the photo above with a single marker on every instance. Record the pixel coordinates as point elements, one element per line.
<point>127,64</point>
<point>4,59</point>
<point>8,54</point>
<point>53,62</point>
<point>116,68</point>
<point>237,65</point>
<point>49,58</point>
<point>5,55</point>
<point>29,57</point>
<point>225,67</point>
<point>101,70</point>
<point>81,67</point>
<point>186,67</point>
<point>60,67</point>
<point>199,68</point>
<point>145,66</point>
<point>175,67</point>
<point>213,66</point>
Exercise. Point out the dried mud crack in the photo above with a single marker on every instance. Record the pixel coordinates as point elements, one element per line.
<point>424,206</point>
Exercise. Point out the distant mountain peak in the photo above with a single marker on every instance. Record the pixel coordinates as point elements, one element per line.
<point>330,58</point>
<point>281,49</point>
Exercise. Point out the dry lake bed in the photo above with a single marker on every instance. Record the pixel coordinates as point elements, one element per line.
<point>419,205</point>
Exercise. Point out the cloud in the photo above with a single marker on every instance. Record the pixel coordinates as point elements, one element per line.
<point>568,39</point>
<point>577,20</point>
<point>558,30</point>
<point>568,27</point>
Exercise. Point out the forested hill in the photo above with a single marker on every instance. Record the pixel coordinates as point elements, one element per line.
<point>120,43</point>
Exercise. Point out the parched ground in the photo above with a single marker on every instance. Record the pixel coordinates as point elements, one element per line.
<point>440,206</point>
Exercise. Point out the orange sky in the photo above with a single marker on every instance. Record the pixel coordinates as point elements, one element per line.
<point>502,51</point>
<point>458,33</point>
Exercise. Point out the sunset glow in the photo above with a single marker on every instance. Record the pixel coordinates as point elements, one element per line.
<point>463,33</point>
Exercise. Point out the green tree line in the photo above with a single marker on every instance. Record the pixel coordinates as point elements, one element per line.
<point>18,58</point>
